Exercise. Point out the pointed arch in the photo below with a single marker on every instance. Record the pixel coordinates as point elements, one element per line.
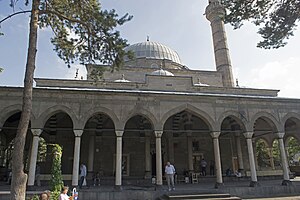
<point>145,113</point>
<point>100,110</point>
<point>270,119</point>
<point>191,109</point>
<point>11,110</point>
<point>289,116</point>
<point>46,114</point>
<point>238,117</point>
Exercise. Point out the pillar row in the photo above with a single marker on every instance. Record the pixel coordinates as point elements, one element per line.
<point>215,136</point>
<point>248,136</point>
<point>118,178</point>
<point>158,135</point>
<point>33,158</point>
<point>78,134</point>
<point>285,166</point>
<point>239,151</point>
<point>147,156</point>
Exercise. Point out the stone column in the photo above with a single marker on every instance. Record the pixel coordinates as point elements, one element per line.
<point>285,166</point>
<point>239,151</point>
<point>255,155</point>
<point>215,136</point>
<point>190,152</point>
<point>158,135</point>
<point>76,159</point>
<point>91,153</point>
<point>248,136</point>
<point>34,151</point>
<point>147,156</point>
<point>270,152</point>
<point>118,180</point>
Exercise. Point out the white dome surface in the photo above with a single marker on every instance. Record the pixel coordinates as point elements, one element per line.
<point>153,50</point>
<point>162,72</point>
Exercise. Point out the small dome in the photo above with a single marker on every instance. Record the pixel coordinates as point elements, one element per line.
<point>122,80</point>
<point>162,72</point>
<point>153,50</point>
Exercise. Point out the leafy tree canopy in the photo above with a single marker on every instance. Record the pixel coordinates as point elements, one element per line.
<point>276,19</point>
<point>82,31</point>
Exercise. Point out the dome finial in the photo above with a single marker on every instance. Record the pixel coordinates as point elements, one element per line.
<point>148,38</point>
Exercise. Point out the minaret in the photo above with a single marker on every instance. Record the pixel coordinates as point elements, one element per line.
<point>215,13</point>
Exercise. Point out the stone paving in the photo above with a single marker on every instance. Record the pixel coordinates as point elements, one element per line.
<point>268,189</point>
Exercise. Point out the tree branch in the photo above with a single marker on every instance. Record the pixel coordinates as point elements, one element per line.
<point>9,16</point>
<point>67,18</point>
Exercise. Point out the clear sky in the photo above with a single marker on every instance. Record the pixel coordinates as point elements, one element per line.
<point>178,24</point>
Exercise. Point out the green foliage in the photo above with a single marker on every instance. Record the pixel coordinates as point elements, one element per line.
<point>277,19</point>
<point>276,152</point>
<point>56,182</point>
<point>54,195</point>
<point>262,153</point>
<point>84,32</point>
<point>42,150</point>
<point>1,69</point>
<point>293,148</point>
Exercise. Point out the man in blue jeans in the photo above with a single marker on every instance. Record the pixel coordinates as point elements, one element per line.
<point>170,172</point>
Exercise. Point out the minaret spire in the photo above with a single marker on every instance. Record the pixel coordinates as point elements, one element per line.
<point>215,13</point>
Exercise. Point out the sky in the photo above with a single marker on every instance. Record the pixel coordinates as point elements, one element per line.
<point>180,25</point>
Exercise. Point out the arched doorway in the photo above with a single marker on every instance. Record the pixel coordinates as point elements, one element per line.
<point>58,129</point>
<point>7,135</point>
<point>98,145</point>
<point>188,141</point>
<point>138,148</point>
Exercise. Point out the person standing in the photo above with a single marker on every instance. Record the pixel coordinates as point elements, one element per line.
<point>64,194</point>
<point>170,171</point>
<point>83,174</point>
<point>203,165</point>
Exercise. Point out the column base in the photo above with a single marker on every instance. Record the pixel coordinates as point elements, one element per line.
<point>254,184</point>
<point>286,183</point>
<point>219,185</point>
<point>31,188</point>
<point>118,188</point>
<point>148,175</point>
<point>158,187</point>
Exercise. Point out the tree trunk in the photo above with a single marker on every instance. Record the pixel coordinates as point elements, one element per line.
<point>19,178</point>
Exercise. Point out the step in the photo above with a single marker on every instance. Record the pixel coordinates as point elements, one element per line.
<point>199,196</point>
<point>226,198</point>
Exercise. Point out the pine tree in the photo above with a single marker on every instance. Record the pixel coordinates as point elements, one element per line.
<point>83,33</point>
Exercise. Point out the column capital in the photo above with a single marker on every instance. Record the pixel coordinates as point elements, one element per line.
<point>158,134</point>
<point>248,135</point>
<point>215,134</point>
<point>119,133</point>
<point>78,133</point>
<point>36,132</point>
<point>280,135</point>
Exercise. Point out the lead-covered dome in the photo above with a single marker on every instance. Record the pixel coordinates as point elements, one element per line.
<point>153,50</point>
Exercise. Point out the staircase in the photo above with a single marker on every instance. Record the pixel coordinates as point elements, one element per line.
<point>199,196</point>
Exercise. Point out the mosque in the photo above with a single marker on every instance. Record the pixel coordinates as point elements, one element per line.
<point>153,110</point>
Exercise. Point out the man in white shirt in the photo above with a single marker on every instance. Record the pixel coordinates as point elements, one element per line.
<point>82,174</point>
<point>170,171</point>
